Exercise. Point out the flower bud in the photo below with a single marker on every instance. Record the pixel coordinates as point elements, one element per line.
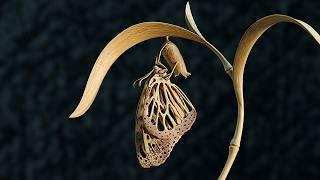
<point>172,55</point>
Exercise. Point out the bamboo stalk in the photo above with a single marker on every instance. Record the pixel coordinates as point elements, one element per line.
<point>247,41</point>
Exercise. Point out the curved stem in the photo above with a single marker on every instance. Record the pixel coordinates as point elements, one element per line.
<point>248,40</point>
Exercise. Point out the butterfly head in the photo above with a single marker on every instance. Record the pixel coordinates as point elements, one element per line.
<point>161,71</point>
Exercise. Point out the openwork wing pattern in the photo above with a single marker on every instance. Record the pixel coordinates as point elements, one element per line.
<point>164,114</point>
<point>167,110</point>
<point>151,151</point>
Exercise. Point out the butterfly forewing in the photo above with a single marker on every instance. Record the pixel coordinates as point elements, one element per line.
<point>167,110</point>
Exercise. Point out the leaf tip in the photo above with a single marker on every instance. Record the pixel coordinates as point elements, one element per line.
<point>187,7</point>
<point>73,115</point>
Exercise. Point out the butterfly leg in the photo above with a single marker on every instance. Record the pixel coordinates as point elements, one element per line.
<point>174,67</point>
<point>139,81</point>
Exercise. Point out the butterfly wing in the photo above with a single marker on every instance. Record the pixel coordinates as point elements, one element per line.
<point>167,110</point>
<point>164,114</point>
<point>151,151</point>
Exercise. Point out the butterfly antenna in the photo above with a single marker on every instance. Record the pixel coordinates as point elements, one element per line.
<point>139,81</point>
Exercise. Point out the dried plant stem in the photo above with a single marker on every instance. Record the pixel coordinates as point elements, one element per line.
<point>248,40</point>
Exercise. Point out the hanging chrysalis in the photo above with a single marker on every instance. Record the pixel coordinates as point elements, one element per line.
<point>164,112</point>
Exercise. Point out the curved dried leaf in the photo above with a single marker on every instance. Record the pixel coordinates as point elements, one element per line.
<point>193,26</point>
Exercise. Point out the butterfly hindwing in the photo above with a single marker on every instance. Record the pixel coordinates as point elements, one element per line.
<point>151,151</point>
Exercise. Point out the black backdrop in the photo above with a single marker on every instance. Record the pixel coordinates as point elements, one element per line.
<point>49,47</point>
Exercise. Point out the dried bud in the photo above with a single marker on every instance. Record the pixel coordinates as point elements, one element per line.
<point>172,55</point>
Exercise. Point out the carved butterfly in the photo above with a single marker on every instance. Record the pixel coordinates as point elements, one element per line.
<point>164,114</point>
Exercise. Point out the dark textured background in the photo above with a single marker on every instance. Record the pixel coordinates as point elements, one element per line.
<point>49,47</point>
